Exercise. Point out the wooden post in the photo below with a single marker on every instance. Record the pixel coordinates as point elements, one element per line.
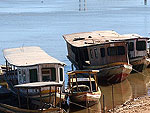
<point>27,98</point>
<point>103,104</point>
<point>40,98</point>
<point>88,107</point>
<point>72,84</point>
<point>90,82</point>
<point>96,81</point>
<point>55,95</point>
<point>113,97</point>
<point>19,98</point>
<point>77,83</point>
<point>60,98</point>
<point>49,94</point>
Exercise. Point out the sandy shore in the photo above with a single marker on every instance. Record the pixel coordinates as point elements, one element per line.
<point>137,105</point>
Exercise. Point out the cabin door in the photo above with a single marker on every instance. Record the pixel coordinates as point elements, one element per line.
<point>33,75</point>
<point>131,49</point>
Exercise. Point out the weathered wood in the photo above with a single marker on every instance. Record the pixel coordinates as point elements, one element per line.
<point>40,98</point>
<point>76,82</point>
<point>55,95</point>
<point>90,83</point>
<point>60,98</point>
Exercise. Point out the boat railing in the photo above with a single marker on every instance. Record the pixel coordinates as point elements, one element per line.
<point>38,86</point>
<point>10,77</point>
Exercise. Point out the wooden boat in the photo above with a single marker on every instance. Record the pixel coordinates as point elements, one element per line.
<point>99,50</point>
<point>29,65</point>
<point>137,51</point>
<point>41,107</point>
<point>84,90</point>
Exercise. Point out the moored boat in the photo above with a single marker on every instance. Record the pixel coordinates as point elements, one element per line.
<point>31,65</point>
<point>32,106</point>
<point>102,51</point>
<point>137,51</point>
<point>83,88</point>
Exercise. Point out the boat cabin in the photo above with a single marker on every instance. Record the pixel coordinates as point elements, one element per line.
<point>99,48</point>
<point>32,64</point>
<point>137,45</point>
<point>91,50</point>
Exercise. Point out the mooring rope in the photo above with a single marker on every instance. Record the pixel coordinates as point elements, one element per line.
<point>138,72</point>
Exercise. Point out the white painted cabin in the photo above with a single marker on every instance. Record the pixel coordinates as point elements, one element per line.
<point>32,64</point>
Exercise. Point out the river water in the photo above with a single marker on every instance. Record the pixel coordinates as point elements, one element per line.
<point>43,22</point>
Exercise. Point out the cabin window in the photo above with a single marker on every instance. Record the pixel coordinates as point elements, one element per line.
<point>140,45</point>
<point>119,50</point>
<point>112,51</point>
<point>61,74</point>
<point>95,52</point>
<point>48,74</point>
<point>102,50</point>
<point>33,75</point>
<point>86,56</point>
<point>19,71</point>
<point>91,53</point>
<point>130,46</point>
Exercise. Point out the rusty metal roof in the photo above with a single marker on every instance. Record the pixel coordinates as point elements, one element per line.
<point>96,37</point>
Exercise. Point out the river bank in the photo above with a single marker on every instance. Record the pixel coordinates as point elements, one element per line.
<point>137,105</point>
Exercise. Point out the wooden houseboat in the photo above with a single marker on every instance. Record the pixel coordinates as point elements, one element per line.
<point>92,50</point>
<point>29,65</point>
<point>83,88</point>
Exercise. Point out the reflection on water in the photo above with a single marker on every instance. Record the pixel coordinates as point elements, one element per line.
<point>93,109</point>
<point>121,93</point>
<point>139,83</point>
<point>136,85</point>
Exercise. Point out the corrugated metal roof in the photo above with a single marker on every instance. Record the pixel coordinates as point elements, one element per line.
<point>96,37</point>
<point>27,56</point>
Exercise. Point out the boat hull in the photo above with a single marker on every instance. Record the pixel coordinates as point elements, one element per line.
<point>139,64</point>
<point>85,98</point>
<point>148,62</point>
<point>34,94</point>
<point>114,74</point>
